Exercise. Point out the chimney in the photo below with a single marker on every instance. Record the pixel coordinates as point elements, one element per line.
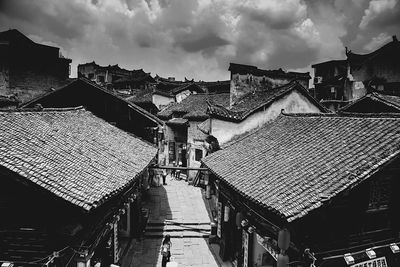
<point>394,38</point>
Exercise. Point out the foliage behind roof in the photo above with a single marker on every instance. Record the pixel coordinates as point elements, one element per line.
<point>295,164</point>
<point>71,153</point>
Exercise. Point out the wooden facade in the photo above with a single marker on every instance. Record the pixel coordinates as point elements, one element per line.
<point>36,225</point>
<point>364,217</point>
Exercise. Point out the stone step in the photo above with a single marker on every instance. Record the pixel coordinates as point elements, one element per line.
<point>171,228</point>
<point>171,222</point>
<point>177,234</point>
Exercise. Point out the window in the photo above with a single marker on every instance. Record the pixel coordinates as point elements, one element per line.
<point>101,78</point>
<point>198,154</point>
<point>91,76</point>
<point>379,194</point>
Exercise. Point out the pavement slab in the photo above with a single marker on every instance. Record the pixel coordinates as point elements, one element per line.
<point>177,209</point>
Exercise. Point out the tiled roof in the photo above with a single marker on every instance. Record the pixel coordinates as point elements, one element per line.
<point>141,96</point>
<point>85,82</point>
<point>391,101</point>
<point>191,86</point>
<point>172,89</point>
<point>177,122</point>
<point>195,105</point>
<point>298,162</point>
<point>253,101</point>
<point>71,153</point>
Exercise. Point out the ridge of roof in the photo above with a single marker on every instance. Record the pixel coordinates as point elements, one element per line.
<point>386,99</point>
<point>345,115</point>
<point>86,81</point>
<point>193,105</point>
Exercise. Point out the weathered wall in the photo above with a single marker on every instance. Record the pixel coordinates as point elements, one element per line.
<point>85,70</point>
<point>161,101</point>
<point>292,103</point>
<point>242,84</point>
<point>387,68</point>
<point>29,85</point>
<point>4,78</point>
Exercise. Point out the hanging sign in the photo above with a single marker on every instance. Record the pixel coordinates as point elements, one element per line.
<point>270,245</point>
<point>245,238</point>
<point>378,262</point>
<point>219,218</point>
<point>115,242</point>
<point>226,213</point>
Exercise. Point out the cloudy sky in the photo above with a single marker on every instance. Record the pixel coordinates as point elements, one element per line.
<point>198,38</point>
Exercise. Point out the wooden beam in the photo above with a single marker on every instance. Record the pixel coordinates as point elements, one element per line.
<point>178,168</point>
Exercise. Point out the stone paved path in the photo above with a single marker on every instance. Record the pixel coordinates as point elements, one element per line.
<point>177,209</point>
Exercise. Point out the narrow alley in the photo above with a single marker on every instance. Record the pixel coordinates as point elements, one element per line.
<point>177,209</point>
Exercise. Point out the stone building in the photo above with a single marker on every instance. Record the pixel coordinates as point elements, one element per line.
<point>338,82</point>
<point>257,108</point>
<point>29,69</point>
<point>246,79</point>
<point>115,77</point>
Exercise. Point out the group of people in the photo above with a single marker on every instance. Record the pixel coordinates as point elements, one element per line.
<point>174,173</point>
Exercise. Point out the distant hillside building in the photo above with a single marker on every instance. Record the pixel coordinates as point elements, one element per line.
<point>29,69</point>
<point>338,82</point>
<point>246,78</point>
<point>115,77</point>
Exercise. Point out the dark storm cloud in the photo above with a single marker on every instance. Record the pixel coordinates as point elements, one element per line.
<point>198,38</point>
<point>194,43</point>
<point>63,19</point>
<point>274,16</point>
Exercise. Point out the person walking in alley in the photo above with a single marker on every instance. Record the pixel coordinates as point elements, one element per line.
<point>164,176</point>
<point>178,172</point>
<point>166,250</point>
